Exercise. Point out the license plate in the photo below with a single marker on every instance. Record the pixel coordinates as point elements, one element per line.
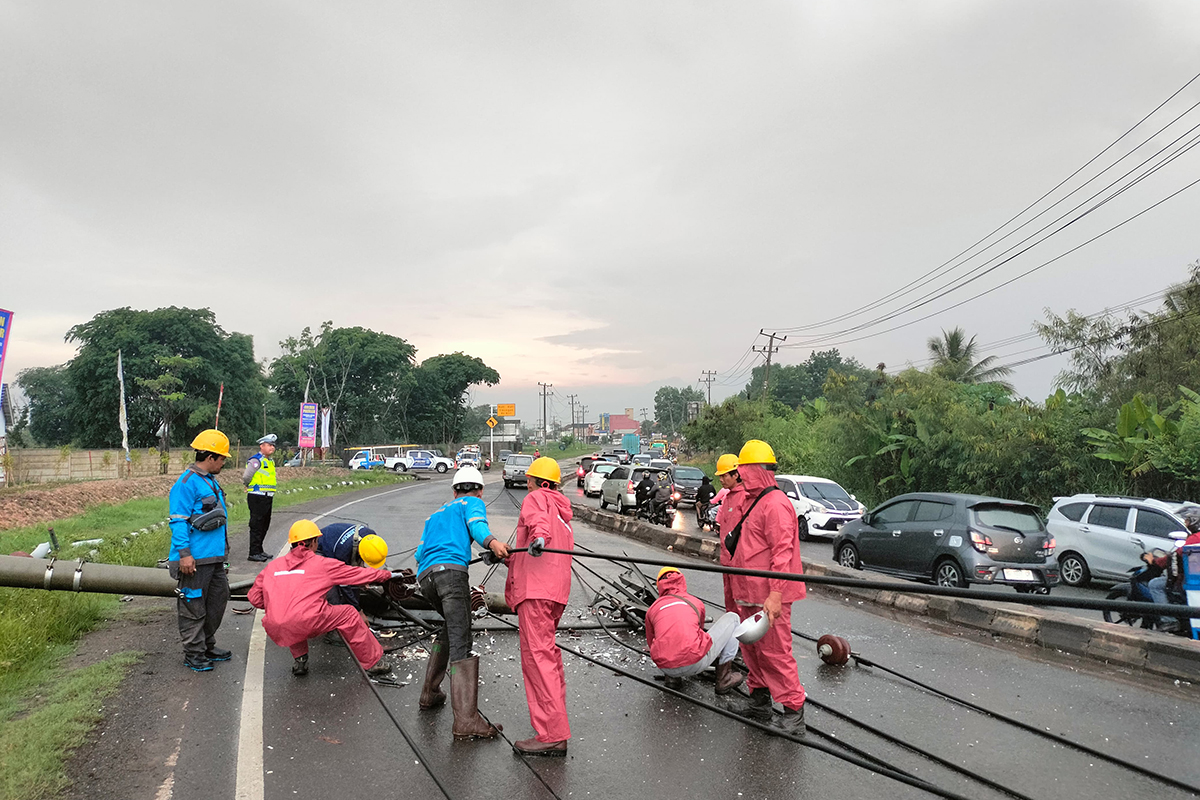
<point>1019,575</point>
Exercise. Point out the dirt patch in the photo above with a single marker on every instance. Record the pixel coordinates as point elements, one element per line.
<point>31,505</point>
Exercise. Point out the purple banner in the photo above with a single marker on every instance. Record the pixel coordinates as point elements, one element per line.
<point>308,424</point>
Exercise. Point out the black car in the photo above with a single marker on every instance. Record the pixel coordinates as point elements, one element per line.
<point>953,540</point>
<point>687,482</point>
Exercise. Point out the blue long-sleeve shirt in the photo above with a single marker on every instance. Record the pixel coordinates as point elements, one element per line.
<point>187,498</point>
<point>449,531</point>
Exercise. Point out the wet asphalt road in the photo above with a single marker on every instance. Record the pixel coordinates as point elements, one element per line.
<point>327,735</point>
<point>821,549</point>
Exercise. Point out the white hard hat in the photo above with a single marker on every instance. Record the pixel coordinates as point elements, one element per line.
<point>752,628</point>
<point>467,475</point>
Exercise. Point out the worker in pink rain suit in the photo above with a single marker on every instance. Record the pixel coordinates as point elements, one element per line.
<point>538,588</point>
<point>292,589</point>
<point>766,537</point>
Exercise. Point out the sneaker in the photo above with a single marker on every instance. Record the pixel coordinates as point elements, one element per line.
<point>382,667</point>
<point>300,666</point>
<point>259,557</point>
<point>197,663</point>
<point>217,654</point>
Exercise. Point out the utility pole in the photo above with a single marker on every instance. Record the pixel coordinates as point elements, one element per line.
<point>546,387</point>
<point>708,376</point>
<point>768,350</point>
<point>583,421</point>
<point>571,400</point>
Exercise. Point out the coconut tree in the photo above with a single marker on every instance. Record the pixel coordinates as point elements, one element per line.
<point>954,359</point>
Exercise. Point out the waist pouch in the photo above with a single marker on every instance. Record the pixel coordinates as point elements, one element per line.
<point>731,538</point>
<point>211,516</point>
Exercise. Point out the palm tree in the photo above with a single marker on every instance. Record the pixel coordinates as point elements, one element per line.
<point>954,359</point>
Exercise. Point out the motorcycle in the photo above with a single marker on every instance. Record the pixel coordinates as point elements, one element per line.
<point>659,514</point>
<point>1137,590</point>
<point>487,464</point>
<point>702,511</point>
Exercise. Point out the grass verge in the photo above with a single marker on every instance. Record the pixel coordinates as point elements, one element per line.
<point>39,629</point>
<point>34,745</point>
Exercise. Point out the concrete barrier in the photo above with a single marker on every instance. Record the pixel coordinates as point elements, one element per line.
<point>1101,641</point>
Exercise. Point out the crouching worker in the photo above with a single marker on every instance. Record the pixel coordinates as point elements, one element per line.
<point>442,574</point>
<point>678,642</point>
<point>292,589</point>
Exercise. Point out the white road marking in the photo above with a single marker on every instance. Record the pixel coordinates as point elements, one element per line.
<point>249,785</point>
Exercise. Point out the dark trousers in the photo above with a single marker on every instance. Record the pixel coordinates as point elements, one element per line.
<point>202,607</point>
<point>260,520</point>
<point>449,592</point>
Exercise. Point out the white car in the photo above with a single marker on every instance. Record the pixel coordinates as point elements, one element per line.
<point>417,460</point>
<point>514,470</point>
<point>594,479</point>
<point>822,506</point>
<point>1102,536</point>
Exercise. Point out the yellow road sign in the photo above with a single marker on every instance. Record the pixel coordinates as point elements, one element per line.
<point>491,422</point>
<point>506,410</point>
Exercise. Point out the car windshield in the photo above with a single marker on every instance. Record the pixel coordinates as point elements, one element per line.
<point>822,490</point>
<point>520,461</point>
<point>604,469</point>
<point>688,473</point>
<point>1025,520</point>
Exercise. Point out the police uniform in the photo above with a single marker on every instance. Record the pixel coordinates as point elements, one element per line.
<point>260,481</point>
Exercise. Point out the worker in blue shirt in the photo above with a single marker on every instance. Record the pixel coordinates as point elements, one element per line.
<point>358,546</point>
<point>442,560</point>
<point>199,549</point>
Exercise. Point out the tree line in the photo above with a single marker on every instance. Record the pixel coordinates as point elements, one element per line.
<point>175,361</point>
<point>1124,417</point>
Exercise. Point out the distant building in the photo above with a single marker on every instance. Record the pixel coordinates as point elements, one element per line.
<point>621,424</point>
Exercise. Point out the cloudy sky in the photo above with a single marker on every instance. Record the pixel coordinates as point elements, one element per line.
<point>606,196</point>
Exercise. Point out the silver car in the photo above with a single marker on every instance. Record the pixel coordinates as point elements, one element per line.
<point>619,488</point>
<point>514,470</point>
<point>1102,536</point>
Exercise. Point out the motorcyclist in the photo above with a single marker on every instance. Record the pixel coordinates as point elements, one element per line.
<point>661,497</point>
<point>643,490</point>
<point>1168,587</point>
<point>704,496</point>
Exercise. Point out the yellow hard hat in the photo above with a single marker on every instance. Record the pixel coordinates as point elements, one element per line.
<point>727,463</point>
<point>664,571</point>
<point>373,550</point>
<point>212,441</point>
<point>546,469</point>
<point>756,451</point>
<point>302,530</point>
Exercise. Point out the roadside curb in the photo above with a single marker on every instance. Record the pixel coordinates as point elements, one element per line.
<point>1106,642</point>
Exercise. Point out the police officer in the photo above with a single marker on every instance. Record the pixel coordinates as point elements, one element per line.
<point>199,547</point>
<point>259,478</point>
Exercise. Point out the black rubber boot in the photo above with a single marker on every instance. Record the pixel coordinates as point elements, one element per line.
<point>759,707</point>
<point>792,721</point>
<point>464,700</point>
<point>300,666</point>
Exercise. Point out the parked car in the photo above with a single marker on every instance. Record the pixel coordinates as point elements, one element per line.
<point>618,487</point>
<point>953,540</point>
<point>364,459</point>
<point>514,469</point>
<point>822,506</point>
<point>594,480</point>
<point>468,459</point>
<point>687,481</point>
<point>420,460</point>
<point>1102,537</point>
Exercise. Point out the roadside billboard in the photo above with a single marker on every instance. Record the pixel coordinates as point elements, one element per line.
<point>308,425</point>
<point>5,327</point>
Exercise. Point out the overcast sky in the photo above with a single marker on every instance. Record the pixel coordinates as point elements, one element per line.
<point>606,196</point>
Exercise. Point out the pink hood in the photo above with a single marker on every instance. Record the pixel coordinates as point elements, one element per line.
<point>756,477</point>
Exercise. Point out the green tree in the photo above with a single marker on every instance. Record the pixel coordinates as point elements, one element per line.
<point>50,397</point>
<point>165,393</point>
<point>670,407</point>
<point>359,373</point>
<point>954,359</point>
<point>143,337</point>
<point>796,384</point>
<point>435,407</point>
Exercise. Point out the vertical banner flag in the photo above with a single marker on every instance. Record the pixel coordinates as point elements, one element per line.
<point>5,327</point>
<point>122,420</point>
<point>220,397</point>
<point>308,424</point>
<point>325,414</point>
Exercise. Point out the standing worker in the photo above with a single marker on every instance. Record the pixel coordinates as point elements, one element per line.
<point>199,547</point>
<point>442,559</point>
<point>729,499</point>
<point>678,643</point>
<point>259,478</point>
<point>538,588</point>
<point>765,536</point>
<point>292,589</point>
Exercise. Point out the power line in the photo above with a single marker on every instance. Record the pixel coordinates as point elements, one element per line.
<point>917,281</point>
<point>769,350</point>
<point>708,376</point>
